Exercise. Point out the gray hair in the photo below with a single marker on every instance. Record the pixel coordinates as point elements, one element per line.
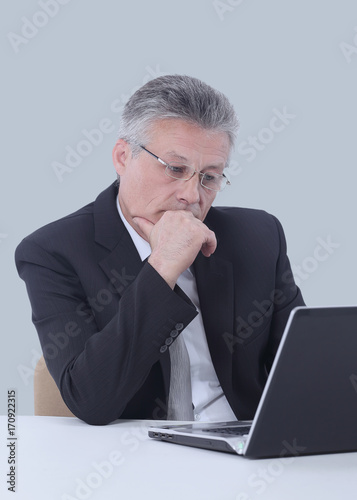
<point>180,97</point>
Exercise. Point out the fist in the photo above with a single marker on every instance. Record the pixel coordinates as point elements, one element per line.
<point>175,241</point>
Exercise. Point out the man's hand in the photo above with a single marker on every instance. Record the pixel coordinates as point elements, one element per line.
<point>175,242</point>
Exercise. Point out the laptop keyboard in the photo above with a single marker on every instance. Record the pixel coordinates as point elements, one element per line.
<point>233,431</point>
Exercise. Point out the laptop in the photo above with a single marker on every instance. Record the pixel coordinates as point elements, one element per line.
<point>309,403</point>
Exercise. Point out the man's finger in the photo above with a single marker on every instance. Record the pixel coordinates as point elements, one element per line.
<point>209,246</point>
<point>144,226</point>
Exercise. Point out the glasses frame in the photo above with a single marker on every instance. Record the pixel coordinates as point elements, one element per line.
<point>200,174</point>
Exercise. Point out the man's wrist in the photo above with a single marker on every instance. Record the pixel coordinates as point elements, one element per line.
<point>168,275</point>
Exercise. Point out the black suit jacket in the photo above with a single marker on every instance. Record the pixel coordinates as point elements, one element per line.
<point>104,318</point>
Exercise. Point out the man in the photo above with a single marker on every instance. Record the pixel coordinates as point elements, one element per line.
<point>150,304</point>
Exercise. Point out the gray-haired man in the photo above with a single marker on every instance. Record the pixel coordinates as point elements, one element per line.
<point>148,302</point>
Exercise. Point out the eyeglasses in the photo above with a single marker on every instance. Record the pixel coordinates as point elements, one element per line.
<point>209,180</point>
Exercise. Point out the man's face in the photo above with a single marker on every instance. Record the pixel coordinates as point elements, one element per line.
<point>146,191</point>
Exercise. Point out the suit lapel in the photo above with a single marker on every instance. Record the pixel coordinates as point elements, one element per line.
<point>122,265</point>
<point>120,260</point>
<point>214,278</point>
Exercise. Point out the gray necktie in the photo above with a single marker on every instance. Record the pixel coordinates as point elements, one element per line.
<point>180,396</point>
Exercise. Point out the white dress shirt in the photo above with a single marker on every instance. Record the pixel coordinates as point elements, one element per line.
<point>210,404</point>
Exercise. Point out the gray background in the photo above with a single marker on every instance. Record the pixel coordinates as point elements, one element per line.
<point>85,61</point>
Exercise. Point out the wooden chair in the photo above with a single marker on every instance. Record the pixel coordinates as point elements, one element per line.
<point>48,399</point>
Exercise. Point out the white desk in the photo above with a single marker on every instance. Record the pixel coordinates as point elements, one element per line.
<point>62,458</point>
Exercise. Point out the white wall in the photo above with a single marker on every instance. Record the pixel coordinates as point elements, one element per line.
<point>83,63</point>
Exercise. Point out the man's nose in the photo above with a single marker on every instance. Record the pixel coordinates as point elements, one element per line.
<point>189,191</point>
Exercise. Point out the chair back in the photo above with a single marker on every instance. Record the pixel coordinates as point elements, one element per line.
<point>48,399</point>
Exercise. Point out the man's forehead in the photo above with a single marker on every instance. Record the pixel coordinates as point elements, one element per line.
<point>176,137</point>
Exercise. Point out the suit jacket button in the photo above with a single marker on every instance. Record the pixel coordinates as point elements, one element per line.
<point>169,341</point>
<point>163,348</point>
<point>179,326</point>
<point>174,333</point>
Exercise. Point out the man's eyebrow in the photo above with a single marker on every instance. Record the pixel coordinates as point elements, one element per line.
<point>214,167</point>
<point>172,155</point>
<point>176,156</point>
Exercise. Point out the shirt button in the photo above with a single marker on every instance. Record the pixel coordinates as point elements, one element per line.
<point>179,326</point>
<point>174,333</point>
<point>197,416</point>
<point>169,341</point>
<point>163,348</point>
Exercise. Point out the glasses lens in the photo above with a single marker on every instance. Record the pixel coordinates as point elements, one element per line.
<point>209,180</point>
<point>213,181</point>
<point>179,171</point>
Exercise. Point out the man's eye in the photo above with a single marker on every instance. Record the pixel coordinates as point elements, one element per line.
<point>177,169</point>
<point>208,177</point>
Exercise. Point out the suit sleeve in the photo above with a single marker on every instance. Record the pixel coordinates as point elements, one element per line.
<point>98,369</point>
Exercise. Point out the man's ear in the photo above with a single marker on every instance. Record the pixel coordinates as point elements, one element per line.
<point>121,154</point>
